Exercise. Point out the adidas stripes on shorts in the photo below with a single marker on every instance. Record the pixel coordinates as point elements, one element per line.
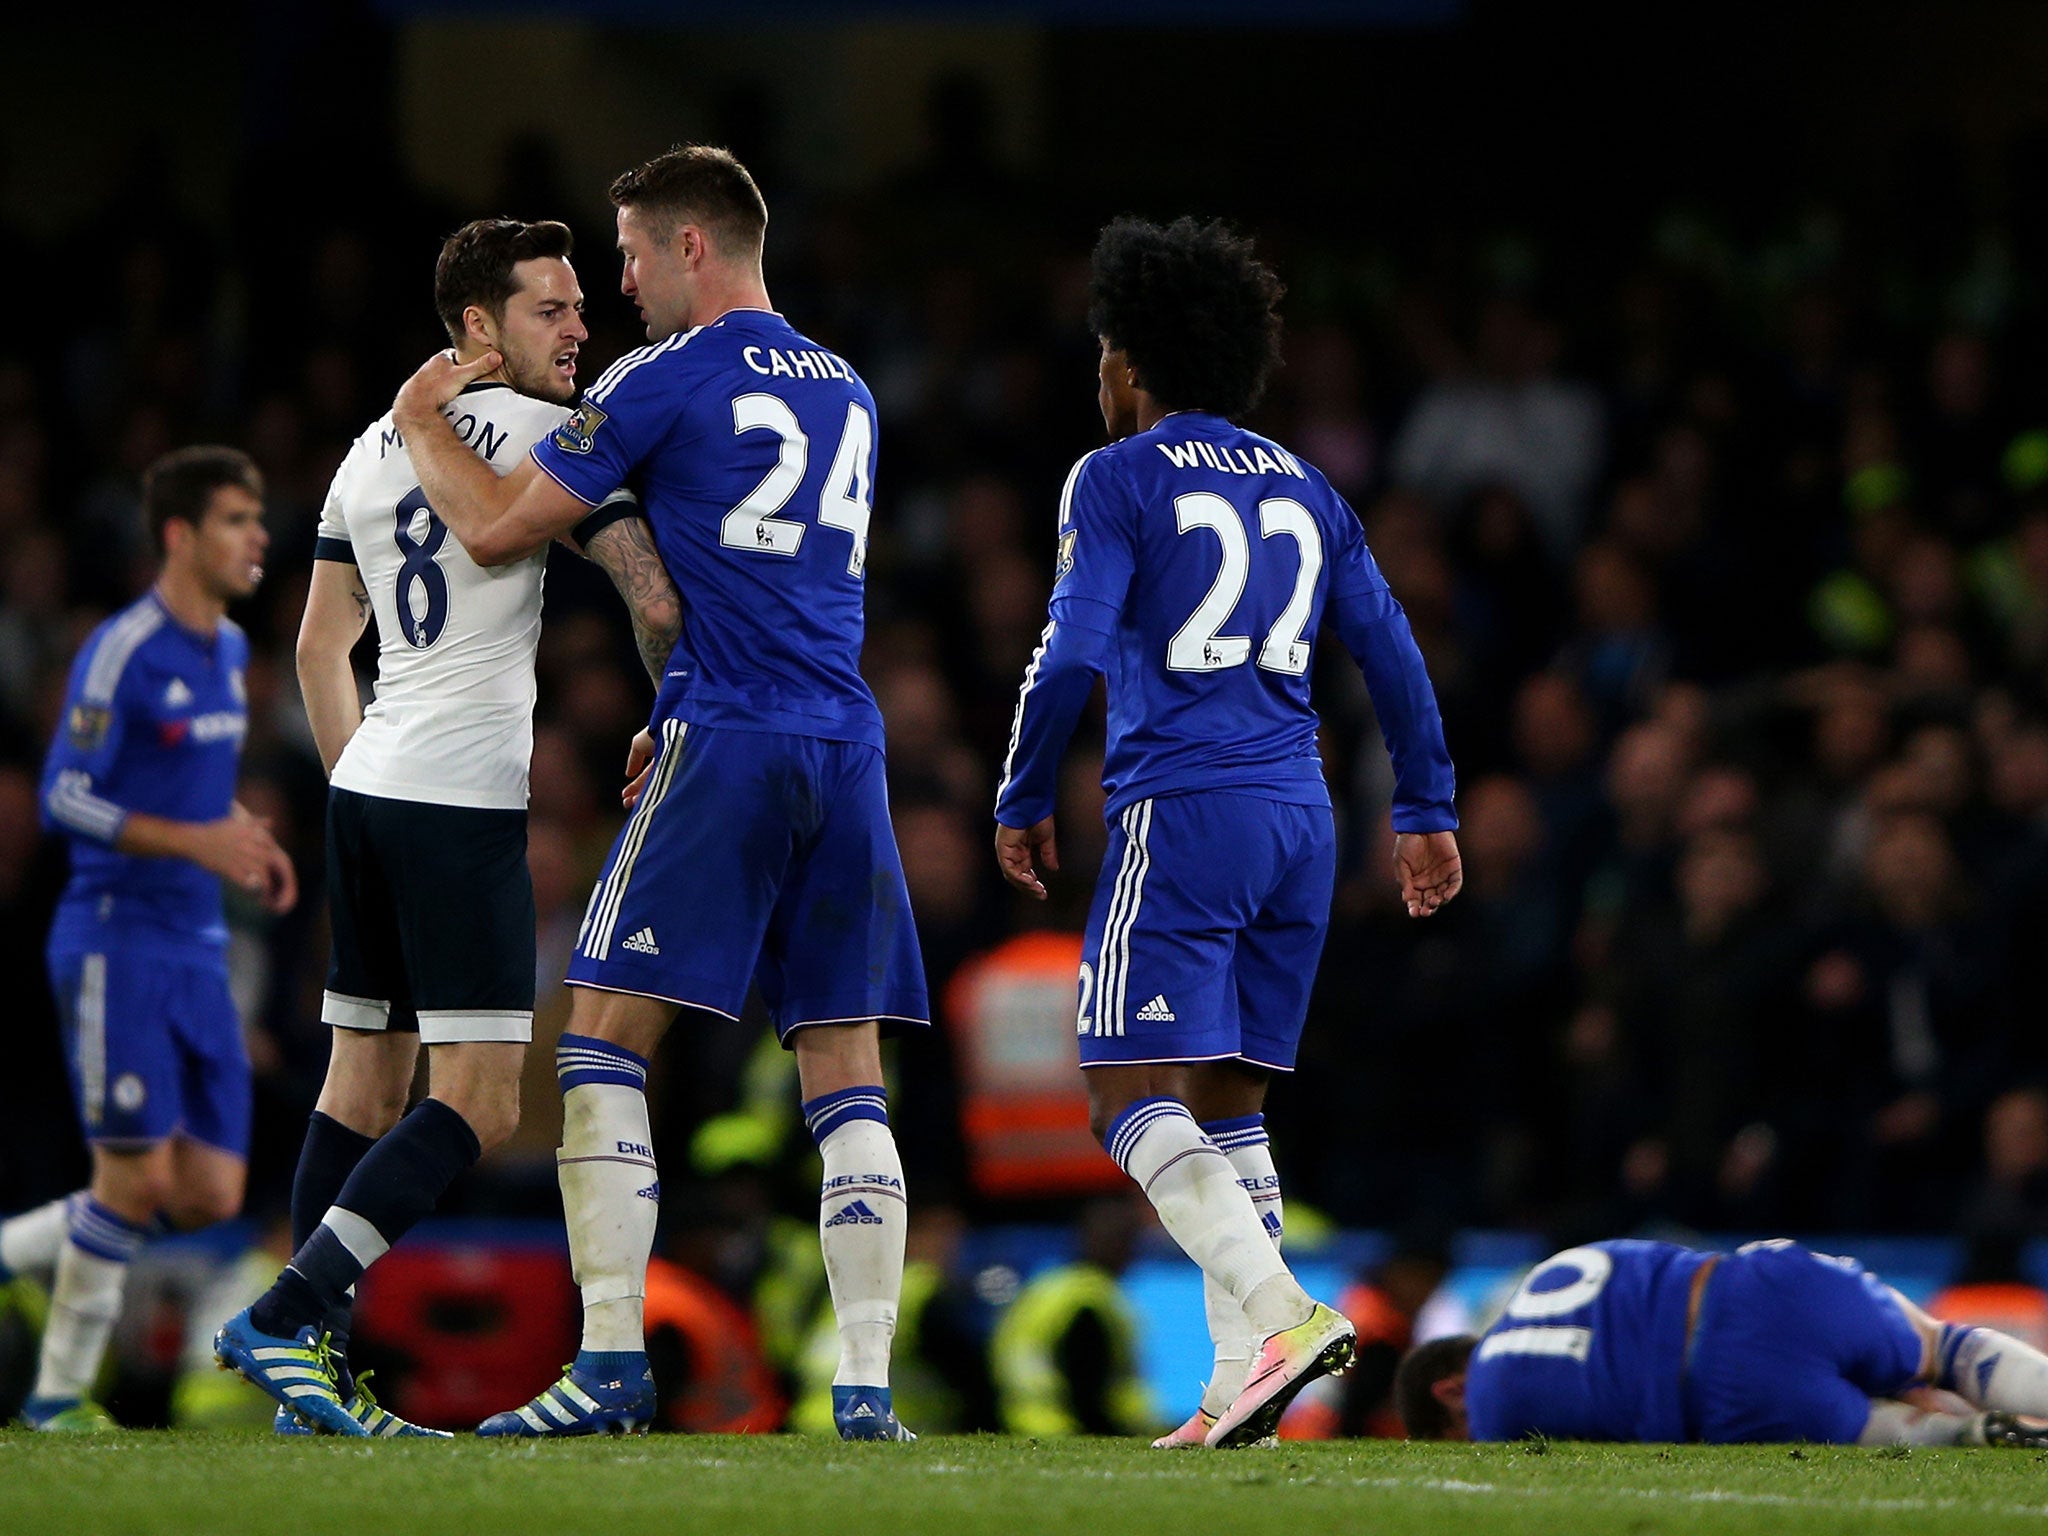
<point>1207,925</point>
<point>756,857</point>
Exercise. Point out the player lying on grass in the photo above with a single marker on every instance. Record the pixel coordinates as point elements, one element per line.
<point>1197,562</point>
<point>1654,1342</point>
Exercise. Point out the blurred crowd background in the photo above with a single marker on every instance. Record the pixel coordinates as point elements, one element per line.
<point>1696,407</point>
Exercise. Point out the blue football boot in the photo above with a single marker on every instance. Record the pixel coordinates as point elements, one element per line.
<point>863,1413</point>
<point>609,1393</point>
<point>297,1372</point>
<point>363,1407</point>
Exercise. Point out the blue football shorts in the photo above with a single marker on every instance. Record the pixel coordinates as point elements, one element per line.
<point>154,1048</point>
<point>1207,925</point>
<point>762,858</point>
<point>1792,1345</point>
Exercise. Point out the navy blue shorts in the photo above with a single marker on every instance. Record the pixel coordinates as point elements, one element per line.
<point>1792,1345</point>
<point>1207,926</point>
<point>431,908</point>
<point>154,1048</point>
<point>758,858</point>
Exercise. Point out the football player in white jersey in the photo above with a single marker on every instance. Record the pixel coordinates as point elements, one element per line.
<point>430,899</point>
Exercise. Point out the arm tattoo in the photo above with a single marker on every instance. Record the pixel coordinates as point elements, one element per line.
<point>362,603</point>
<point>625,550</point>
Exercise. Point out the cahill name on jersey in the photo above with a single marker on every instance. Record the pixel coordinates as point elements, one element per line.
<point>452,722</point>
<point>752,450</point>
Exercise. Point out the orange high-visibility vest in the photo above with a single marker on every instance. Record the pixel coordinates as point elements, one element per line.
<point>1023,1106</point>
<point>732,1391</point>
<point>2010,1306</point>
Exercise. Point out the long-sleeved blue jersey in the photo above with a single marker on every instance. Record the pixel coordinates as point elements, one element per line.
<point>153,722</point>
<point>1197,562</point>
<point>752,450</point>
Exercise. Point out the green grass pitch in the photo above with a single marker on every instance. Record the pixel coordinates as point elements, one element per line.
<point>143,1484</point>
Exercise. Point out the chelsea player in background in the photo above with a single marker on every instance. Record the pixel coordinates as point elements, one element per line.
<point>141,783</point>
<point>1196,563</point>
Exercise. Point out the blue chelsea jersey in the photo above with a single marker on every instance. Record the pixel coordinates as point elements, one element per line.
<point>1209,554</point>
<point>752,450</point>
<point>154,719</point>
<point>1591,1347</point>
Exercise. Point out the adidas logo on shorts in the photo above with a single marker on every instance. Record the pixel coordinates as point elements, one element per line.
<point>1156,1011</point>
<point>642,943</point>
<point>856,1215</point>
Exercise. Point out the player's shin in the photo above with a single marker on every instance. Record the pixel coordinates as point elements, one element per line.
<point>1989,1369</point>
<point>862,1220</point>
<point>1244,1141</point>
<point>85,1301</point>
<point>1893,1423</point>
<point>610,1190</point>
<point>1194,1188</point>
<point>328,1156</point>
<point>398,1181</point>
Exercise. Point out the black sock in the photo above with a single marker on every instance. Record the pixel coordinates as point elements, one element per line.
<point>398,1181</point>
<point>329,1156</point>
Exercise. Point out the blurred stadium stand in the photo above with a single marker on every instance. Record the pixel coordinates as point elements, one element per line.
<point>1691,385</point>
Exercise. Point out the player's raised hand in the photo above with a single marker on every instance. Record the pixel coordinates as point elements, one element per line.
<point>1018,847</point>
<point>639,764</point>
<point>1430,870</point>
<point>438,380</point>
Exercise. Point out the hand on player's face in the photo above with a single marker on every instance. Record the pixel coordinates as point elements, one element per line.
<point>1016,848</point>
<point>542,329</point>
<point>1430,870</point>
<point>438,380</point>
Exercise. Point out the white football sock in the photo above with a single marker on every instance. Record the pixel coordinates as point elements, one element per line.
<point>1245,1143</point>
<point>611,1199</point>
<point>30,1242</point>
<point>85,1301</point>
<point>1194,1188</point>
<point>862,1222</point>
<point>1893,1423</point>
<point>1990,1369</point>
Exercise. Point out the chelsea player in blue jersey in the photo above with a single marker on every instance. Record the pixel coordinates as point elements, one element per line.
<point>760,848</point>
<point>1649,1341</point>
<point>140,782</point>
<point>1196,562</point>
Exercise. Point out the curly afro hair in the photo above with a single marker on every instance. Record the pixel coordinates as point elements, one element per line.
<point>1192,307</point>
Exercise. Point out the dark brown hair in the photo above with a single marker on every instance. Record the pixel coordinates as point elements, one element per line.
<point>1423,1415</point>
<point>477,260</point>
<point>697,184</point>
<point>181,484</point>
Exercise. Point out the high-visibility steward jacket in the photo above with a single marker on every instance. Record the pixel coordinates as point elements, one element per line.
<point>2011,1307</point>
<point>1031,1386</point>
<point>1023,1107</point>
<point>920,1397</point>
<point>731,1391</point>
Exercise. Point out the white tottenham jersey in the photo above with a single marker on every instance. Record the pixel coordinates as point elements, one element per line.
<point>452,722</point>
